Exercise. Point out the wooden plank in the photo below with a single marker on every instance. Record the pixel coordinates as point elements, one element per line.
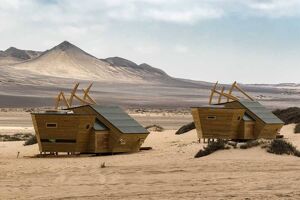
<point>73,93</point>
<point>212,93</point>
<point>220,96</point>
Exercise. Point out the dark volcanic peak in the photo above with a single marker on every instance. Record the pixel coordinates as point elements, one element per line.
<point>65,45</point>
<point>17,53</point>
<point>3,54</point>
<point>21,54</point>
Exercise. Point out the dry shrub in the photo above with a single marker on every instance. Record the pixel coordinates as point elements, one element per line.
<point>280,147</point>
<point>297,128</point>
<point>212,147</point>
<point>15,137</point>
<point>289,115</point>
<point>186,128</point>
<point>32,140</point>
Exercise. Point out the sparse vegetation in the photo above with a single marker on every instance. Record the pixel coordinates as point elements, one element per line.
<point>15,137</point>
<point>280,147</point>
<point>32,140</point>
<point>297,128</point>
<point>186,128</point>
<point>289,115</point>
<point>250,144</point>
<point>155,128</point>
<point>212,147</point>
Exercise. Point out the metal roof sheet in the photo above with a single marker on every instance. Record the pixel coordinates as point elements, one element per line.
<point>261,112</point>
<point>119,119</point>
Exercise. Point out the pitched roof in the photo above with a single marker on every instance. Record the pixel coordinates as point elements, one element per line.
<point>119,119</point>
<point>260,111</point>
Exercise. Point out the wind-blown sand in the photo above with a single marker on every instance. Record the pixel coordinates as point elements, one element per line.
<point>169,171</point>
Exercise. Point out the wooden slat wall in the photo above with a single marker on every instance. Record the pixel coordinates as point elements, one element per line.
<point>197,122</point>
<point>226,124</point>
<point>69,127</point>
<point>270,131</point>
<point>101,141</point>
<point>132,140</point>
<point>246,130</point>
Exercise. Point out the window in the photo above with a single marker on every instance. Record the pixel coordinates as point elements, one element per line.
<point>58,141</point>
<point>51,125</point>
<point>87,126</point>
<point>211,117</point>
<point>239,118</point>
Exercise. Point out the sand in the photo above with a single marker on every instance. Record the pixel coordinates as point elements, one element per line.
<point>169,171</point>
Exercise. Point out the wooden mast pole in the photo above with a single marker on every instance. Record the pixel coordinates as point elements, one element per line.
<point>231,89</point>
<point>212,93</point>
<point>73,93</point>
<point>220,97</point>
<point>242,91</point>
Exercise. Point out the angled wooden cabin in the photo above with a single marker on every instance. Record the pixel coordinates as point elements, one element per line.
<point>235,119</point>
<point>114,130</point>
<point>88,128</point>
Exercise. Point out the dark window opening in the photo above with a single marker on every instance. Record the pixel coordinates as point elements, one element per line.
<point>58,141</point>
<point>51,125</point>
<point>211,117</point>
<point>239,118</point>
<point>87,126</point>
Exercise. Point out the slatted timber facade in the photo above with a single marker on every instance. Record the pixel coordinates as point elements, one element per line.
<point>124,133</point>
<point>88,129</point>
<point>240,119</point>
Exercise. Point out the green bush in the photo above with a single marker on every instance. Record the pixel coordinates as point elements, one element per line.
<point>211,147</point>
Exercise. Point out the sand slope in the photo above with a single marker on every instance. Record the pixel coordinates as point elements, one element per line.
<point>169,171</point>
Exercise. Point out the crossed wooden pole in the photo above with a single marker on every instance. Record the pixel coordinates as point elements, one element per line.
<point>86,100</point>
<point>228,95</point>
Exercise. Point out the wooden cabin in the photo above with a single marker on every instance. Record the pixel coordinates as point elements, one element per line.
<point>235,119</point>
<point>88,128</point>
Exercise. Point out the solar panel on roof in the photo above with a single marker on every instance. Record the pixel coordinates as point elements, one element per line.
<point>119,119</point>
<point>261,112</point>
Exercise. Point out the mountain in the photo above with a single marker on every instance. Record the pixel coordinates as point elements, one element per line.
<point>32,78</point>
<point>22,54</point>
<point>13,55</point>
<point>68,61</point>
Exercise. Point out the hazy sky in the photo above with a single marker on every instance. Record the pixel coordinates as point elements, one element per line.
<point>251,41</point>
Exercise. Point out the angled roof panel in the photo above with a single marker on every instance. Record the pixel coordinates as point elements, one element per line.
<point>261,112</point>
<point>119,119</point>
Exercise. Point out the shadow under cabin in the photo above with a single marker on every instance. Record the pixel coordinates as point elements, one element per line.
<point>235,119</point>
<point>89,128</point>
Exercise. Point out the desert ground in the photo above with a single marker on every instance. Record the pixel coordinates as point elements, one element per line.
<point>168,171</point>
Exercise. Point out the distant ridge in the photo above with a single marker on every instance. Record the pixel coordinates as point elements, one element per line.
<point>13,55</point>
<point>68,61</point>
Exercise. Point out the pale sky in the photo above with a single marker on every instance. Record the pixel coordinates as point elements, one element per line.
<point>251,41</point>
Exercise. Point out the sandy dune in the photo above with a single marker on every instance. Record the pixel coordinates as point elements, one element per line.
<point>169,171</point>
